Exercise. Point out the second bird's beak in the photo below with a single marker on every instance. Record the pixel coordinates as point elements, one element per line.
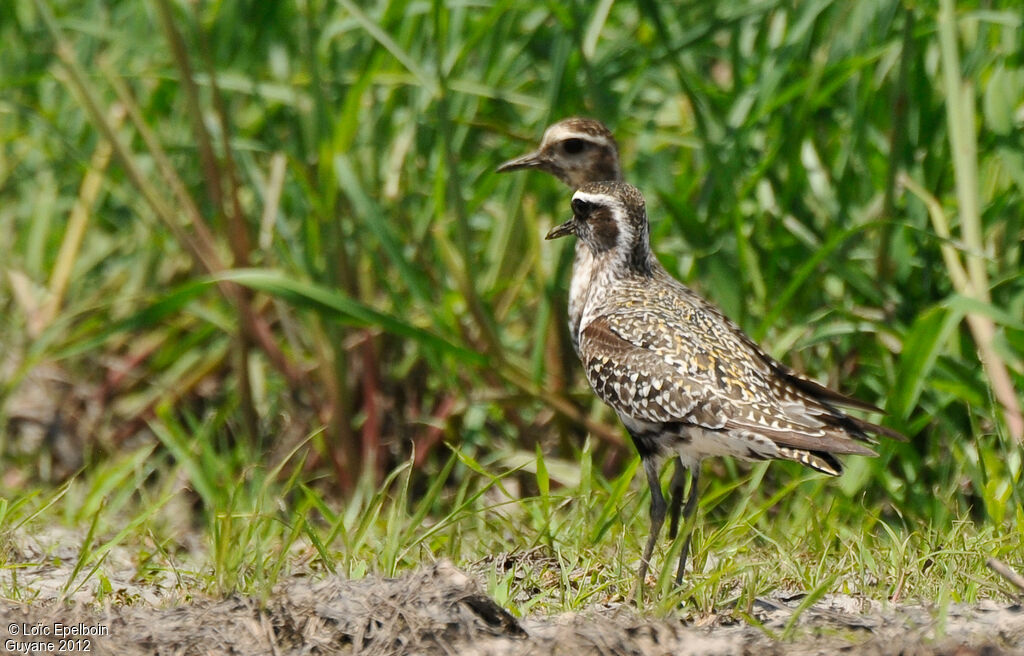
<point>527,161</point>
<point>567,228</point>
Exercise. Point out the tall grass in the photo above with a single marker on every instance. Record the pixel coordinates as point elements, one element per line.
<point>270,219</point>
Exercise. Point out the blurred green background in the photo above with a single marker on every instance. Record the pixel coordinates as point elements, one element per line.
<point>247,233</point>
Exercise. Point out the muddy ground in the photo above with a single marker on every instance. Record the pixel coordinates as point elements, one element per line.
<point>442,610</point>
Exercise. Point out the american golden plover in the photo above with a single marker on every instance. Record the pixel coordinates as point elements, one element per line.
<point>683,378</point>
<point>577,151</point>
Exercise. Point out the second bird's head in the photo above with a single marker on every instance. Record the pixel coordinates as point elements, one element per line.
<point>574,150</point>
<point>608,216</point>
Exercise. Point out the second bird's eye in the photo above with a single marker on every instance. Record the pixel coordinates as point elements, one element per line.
<point>573,146</point>
<point>580,208</point>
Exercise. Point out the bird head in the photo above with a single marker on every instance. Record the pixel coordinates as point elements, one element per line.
<point>574,150</point>
<point>609,217</point>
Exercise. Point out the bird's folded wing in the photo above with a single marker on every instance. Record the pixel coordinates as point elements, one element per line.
<point>705,378</point>
<point>687,298</point>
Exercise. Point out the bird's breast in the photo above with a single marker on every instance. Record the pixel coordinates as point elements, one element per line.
<point>579,283</point>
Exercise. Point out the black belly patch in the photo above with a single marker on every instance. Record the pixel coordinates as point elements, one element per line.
<point>656,441</point>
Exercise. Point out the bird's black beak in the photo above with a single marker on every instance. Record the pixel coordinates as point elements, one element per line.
<point>567,228</point>
<point>528,161</point>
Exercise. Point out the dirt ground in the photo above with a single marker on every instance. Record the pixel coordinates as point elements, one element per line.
<point>442,610</point>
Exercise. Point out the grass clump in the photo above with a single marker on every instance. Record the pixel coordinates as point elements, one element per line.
<point>576,545</point>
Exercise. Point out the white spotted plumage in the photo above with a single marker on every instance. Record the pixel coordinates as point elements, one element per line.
<point>683,378</point>
<point>665,396</point>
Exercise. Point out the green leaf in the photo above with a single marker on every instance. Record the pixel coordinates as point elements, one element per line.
<point>966,305</point>
<point>543,482</point>
<point>920,350</point>
<point>333,303</point>
<point>1003,95</point>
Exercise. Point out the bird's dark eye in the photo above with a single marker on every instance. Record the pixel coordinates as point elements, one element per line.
<point>580,208</point>
<point>574,146</point>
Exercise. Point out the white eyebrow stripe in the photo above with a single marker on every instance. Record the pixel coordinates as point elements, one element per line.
<point>598,199</point>
<point>559,133</point>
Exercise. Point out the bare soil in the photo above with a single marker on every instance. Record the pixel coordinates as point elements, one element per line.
<point>441,610</point>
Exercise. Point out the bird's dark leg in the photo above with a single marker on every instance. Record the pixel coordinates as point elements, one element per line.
<point>658,507</point>
<point>691,507</point>
<point>675,493</point>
